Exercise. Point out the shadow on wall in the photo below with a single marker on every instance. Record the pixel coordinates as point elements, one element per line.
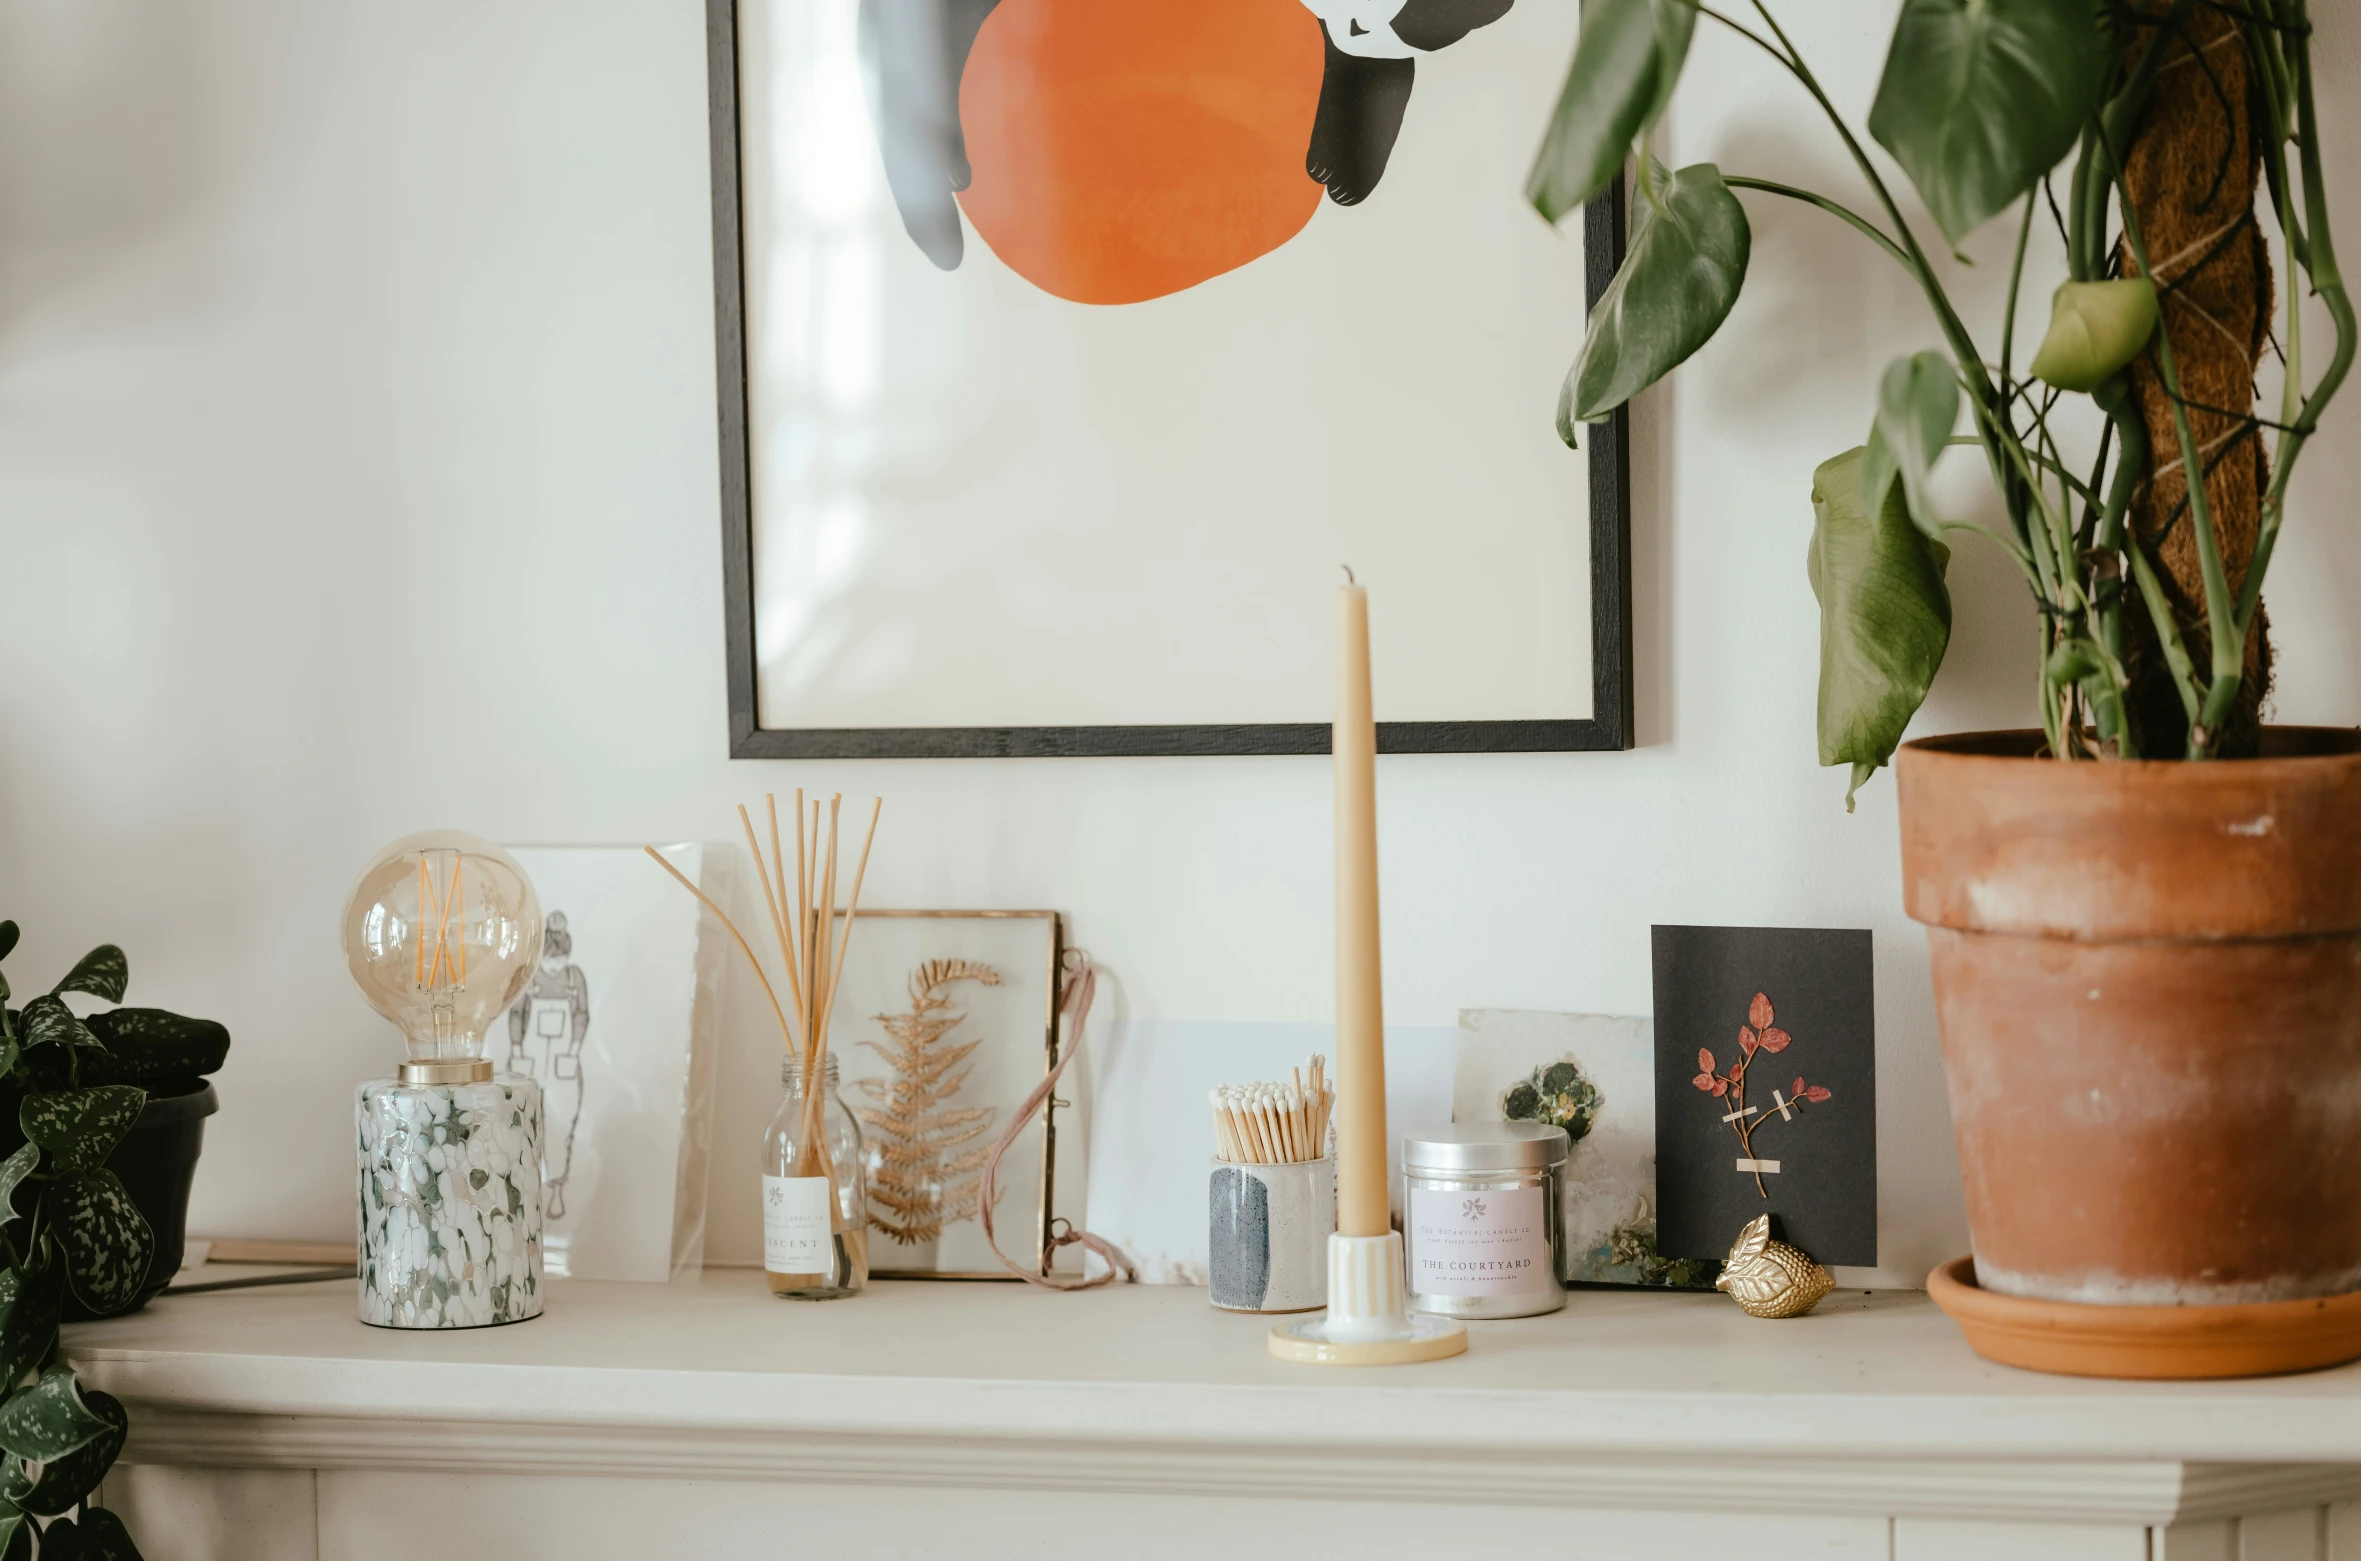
<point>2316,574</point>
<point>111,139</point>
<point>1655,500</point>
<point>1822,313</point>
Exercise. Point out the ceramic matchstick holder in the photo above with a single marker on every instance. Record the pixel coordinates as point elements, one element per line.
<point>1268,1237</point>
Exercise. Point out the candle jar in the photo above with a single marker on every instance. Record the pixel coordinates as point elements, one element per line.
<point>815,1206</point>
<point>1267,1240</point>
<point>1484,1219</point>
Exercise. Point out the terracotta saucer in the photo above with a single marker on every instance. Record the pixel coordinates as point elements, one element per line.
<point>2258,1340</point>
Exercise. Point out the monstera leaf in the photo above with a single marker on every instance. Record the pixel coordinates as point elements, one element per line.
<point>1626,64</point>
<point>1917,404</point>
<point>1980,98</point>
<point>108,1245</point>
<point>1677,284</point>
<point>1885,618</point>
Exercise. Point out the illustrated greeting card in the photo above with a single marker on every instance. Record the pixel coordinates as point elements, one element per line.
<point>1766,1089</point>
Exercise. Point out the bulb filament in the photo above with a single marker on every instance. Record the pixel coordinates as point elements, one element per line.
<point>446,963</point>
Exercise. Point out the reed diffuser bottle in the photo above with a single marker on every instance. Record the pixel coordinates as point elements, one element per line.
<point>815,1206</point>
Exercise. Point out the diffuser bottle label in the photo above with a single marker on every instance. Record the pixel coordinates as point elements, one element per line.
<point>1488,1242</point>
<point>795,1224</point>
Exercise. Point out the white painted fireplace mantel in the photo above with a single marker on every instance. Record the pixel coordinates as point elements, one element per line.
<point>987,1421</point>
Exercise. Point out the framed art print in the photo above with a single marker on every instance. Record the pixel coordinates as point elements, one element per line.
<point>944,1022</point>
<point>1067,349</point>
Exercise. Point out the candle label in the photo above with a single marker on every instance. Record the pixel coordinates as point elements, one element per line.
<point>1479,1242</point>
<point>795,1225</point>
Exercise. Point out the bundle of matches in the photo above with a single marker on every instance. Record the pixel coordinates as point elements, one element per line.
<point>812,937</point>
<point>1275,1124</point>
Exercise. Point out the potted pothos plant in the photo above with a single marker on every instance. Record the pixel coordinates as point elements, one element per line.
<point>101,1133</point>
<point>2145,915</point>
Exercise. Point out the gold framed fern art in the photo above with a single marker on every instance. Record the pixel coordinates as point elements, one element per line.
<point>946,1020</point>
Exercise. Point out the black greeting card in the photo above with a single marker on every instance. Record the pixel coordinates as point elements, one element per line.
<point>1766,1089</point>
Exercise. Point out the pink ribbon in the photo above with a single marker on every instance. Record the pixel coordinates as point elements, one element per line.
<point>1074,1003</point>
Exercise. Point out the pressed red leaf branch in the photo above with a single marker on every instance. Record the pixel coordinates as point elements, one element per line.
<point>1758,1034</point>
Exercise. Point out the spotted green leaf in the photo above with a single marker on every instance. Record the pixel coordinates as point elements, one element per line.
<point>1980,98</point>
<point>103,973</point>
<point>108,1245</point>
<point>8,934</point>
<point>16,1535</point>
<point>152,1048</point>
<point>105,1539</point>
<point>47,1021</point>
<point>13,1172</point>
<point>1885,617</point>
<point>80,1127</point>
<point>64,1483</point>
<point>31,1300</point>
<point>1678,282</point>
<point>49,1419</point>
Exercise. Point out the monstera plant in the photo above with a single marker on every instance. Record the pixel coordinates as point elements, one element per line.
<point>72,1238</point>
<point>2140,966</point>
<point>2134,134</point>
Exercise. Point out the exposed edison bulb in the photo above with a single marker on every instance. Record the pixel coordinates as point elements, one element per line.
<point>441,933</point>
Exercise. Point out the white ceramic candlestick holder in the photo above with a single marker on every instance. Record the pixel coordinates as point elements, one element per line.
<point>1368,1321</point>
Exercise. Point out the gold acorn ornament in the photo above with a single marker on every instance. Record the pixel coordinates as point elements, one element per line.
<point>1770,1278</point>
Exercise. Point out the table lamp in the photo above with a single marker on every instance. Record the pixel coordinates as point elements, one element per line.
<point>441,932</point>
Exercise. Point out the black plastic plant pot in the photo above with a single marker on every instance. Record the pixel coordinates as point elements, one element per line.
<point>157,1161</point>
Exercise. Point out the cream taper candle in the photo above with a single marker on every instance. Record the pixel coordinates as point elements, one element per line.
<point>1361,1203</point>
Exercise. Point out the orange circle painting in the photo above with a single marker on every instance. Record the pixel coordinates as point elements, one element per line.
<point>1114,151</point>
<point>1125,151</point>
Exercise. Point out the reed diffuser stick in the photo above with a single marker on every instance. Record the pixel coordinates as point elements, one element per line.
<point>812,948</point>
<point>770,900</point>
<point>732,927</point>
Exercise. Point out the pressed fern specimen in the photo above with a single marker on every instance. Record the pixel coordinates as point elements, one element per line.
<point>926,1161</point>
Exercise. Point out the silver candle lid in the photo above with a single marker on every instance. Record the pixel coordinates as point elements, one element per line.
<point>1486,1146</point>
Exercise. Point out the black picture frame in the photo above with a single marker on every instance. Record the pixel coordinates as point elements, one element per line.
<point>1608,728</point>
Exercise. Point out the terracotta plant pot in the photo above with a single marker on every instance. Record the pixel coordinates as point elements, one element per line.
<point>2149,982</point>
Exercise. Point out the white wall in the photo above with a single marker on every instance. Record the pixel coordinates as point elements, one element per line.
<point>357,474</point>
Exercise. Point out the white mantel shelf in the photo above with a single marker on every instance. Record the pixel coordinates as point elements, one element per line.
<point>1670,1402</point>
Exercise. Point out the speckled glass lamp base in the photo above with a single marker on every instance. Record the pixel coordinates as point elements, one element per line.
<point>450,1181</point>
